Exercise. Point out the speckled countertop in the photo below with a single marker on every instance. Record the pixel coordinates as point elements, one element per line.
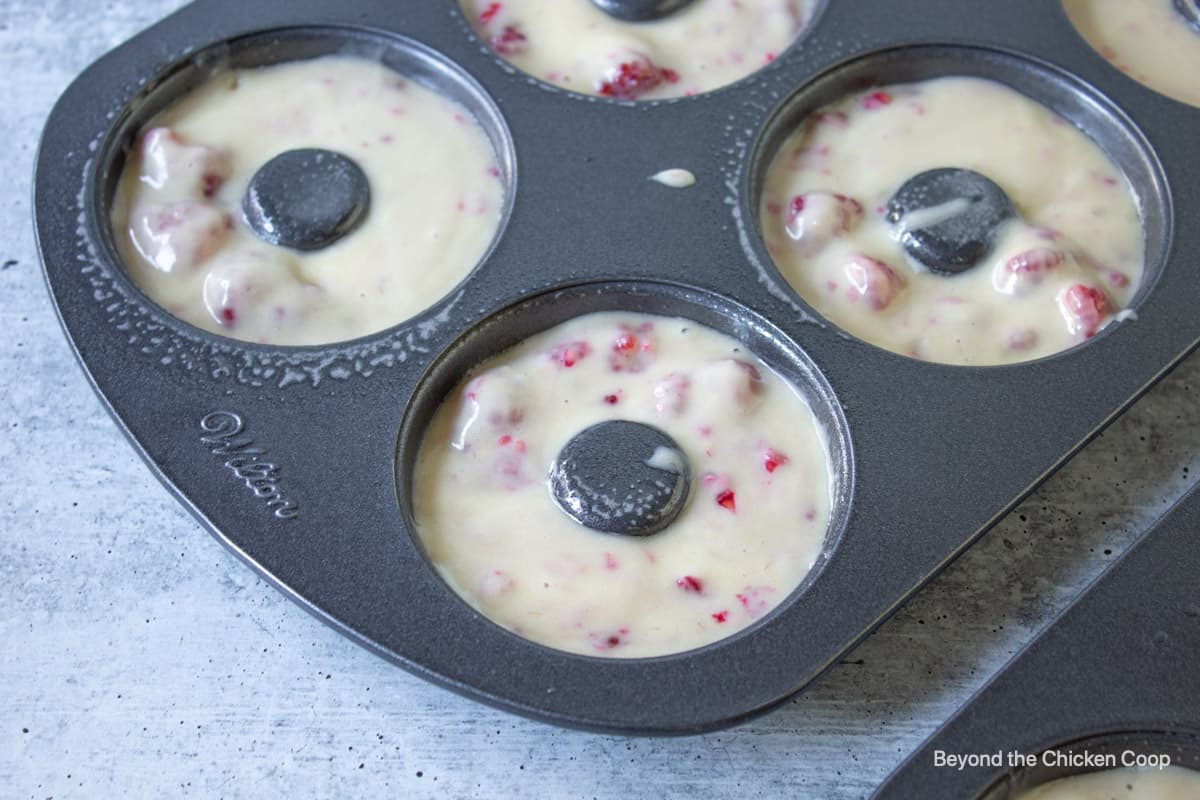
<point>138,658</point>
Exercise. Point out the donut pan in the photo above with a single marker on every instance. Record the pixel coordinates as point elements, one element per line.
<point>299,459</point>
<point>1114,676</point>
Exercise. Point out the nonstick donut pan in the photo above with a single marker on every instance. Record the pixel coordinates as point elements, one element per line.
<point>1114,677</point>
<point>299,459</point>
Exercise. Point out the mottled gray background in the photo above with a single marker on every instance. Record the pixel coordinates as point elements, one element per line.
<point>138,658</point>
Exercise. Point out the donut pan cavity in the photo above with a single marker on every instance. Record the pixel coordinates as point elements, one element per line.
<point>299,459</point>
<point>1113,676</point>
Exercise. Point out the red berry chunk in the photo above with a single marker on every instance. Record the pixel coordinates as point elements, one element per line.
<point>495,583</point>
<point>837,119</point>
<point>690,584</point>
<point>1115,279</point>
<point>773,460</point>
<point>568,354</point>
<point>756,599</point>
<point>168,160</point>
<point>876,100</point>
<point>493,405</point>
<point>670,394</point>
<point>489,13</point>
<point>815,218</point>
<point>607,641</point>
<point>727,499</point>
<point>1039,259</point>
<point>752,383</point>
<point>1084,308</point>
<point>210,182</point>
<point>872,281</point>
<point>509,42</point>
<point>1029,268</point>
<point>181,235</point>
<point>632,349</point>
<point>724,390</point>
<point>721,616</point>
<point>509,464</point>
<point>612,399</point>
<point>1022,339</point>
<point>632,79</point>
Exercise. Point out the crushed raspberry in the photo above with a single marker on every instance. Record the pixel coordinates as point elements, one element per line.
<point>721,616</point>
<point>492,409</point>
<point>509,42</point>
<point>756,600</point>
<point>610,561</point>
<point>1031,266</point>
<point>632,349</point>
<point>510,466</point>
<point>490,12</point>
<point>876,100</point>
<point>181,235</point>
<point>157,137</point>
<point>632,79</point>
<point>569,354</point>
<point>228,315</point>
<point>1022,340</point>
<point>751,384</point>
<point>773,460</point>
<point>873,281</point>
<point>210,183</point>
<point>1084,308</point>
<point>815,218</point>
<point>837,119</point>
<point>1115,279</point>
<point>612,399</point>
<point>690,584</point>
<point>727,499</point>
<point>168,159</point>
<point>607,641</point>
<point>511,416</point>
<point>670,394</point>
<point>495,583</point>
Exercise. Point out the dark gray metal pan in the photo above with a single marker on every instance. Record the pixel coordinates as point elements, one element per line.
<point>929,455</point>
<point>1114,675</point>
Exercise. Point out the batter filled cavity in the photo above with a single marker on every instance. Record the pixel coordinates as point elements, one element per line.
<point>302,274</point>
<point>1155,42</point>
<point>751,524</point>
<point>953,220</point>
<point>573,44</point>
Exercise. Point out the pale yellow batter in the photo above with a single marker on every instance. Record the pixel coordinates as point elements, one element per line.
<point>1169,783</point>
<point>754,523</point>
<point>436,197</point>
<point>1053,278</point>
<point>572,44</point>
<point>1147,39</point>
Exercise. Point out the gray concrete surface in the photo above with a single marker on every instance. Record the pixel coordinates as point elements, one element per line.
<point>139,659</point>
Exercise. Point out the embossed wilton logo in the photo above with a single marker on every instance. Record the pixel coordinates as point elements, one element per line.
<point>221,429</point>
